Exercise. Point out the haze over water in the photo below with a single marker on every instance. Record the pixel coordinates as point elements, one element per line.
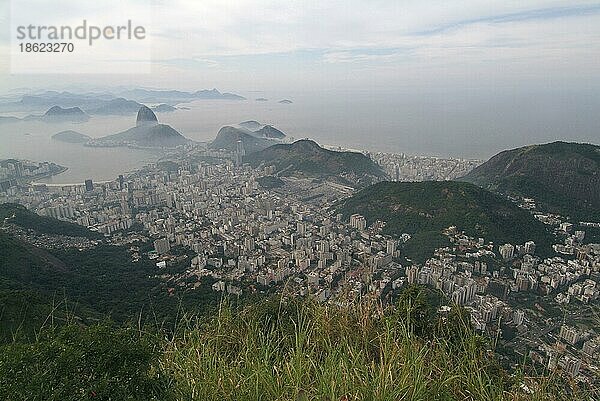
<point>467,124</point>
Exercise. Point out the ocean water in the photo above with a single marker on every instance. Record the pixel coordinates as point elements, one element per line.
<point>32,141</point>
<point>467,124</point>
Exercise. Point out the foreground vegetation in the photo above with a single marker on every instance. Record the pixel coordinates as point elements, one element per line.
<point>272,350</point>
<point>98,282</point>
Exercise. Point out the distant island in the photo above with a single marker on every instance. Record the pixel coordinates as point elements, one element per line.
<point>262,99</point>
<point>117,102</point>
<point>118,106</point>
<point>53,114</point>
<point>59,111</point>
<point>71,136</point>
<point>285,101</point>
<point>175,96</point>
<point>147,133</point>
<point>61,114</point>
<point>164,108</point>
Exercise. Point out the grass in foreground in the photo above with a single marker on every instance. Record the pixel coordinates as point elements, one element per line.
<point>291,350</point>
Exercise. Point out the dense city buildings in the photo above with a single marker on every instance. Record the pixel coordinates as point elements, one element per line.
<point>208,209</point>
<point>14,172</point>
<point>402,167</point>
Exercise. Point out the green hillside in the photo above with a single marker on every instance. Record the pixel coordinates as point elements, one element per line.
<point>101,281</point>
<point>424,209</point>
<point>563,177</point>
<point>20,216</point>
<point>29,279</point>
<point>26,264</point>
<point>307,157</point>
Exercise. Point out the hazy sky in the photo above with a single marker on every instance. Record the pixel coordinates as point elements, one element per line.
<point>284,45</point>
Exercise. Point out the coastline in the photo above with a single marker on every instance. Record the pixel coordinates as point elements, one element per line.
<point>61,170</point>
<point>72,184</point>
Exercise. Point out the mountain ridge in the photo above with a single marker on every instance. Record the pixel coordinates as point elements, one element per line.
<point>563,176</point>
<point>227,138</point>
<point>147,133</point>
